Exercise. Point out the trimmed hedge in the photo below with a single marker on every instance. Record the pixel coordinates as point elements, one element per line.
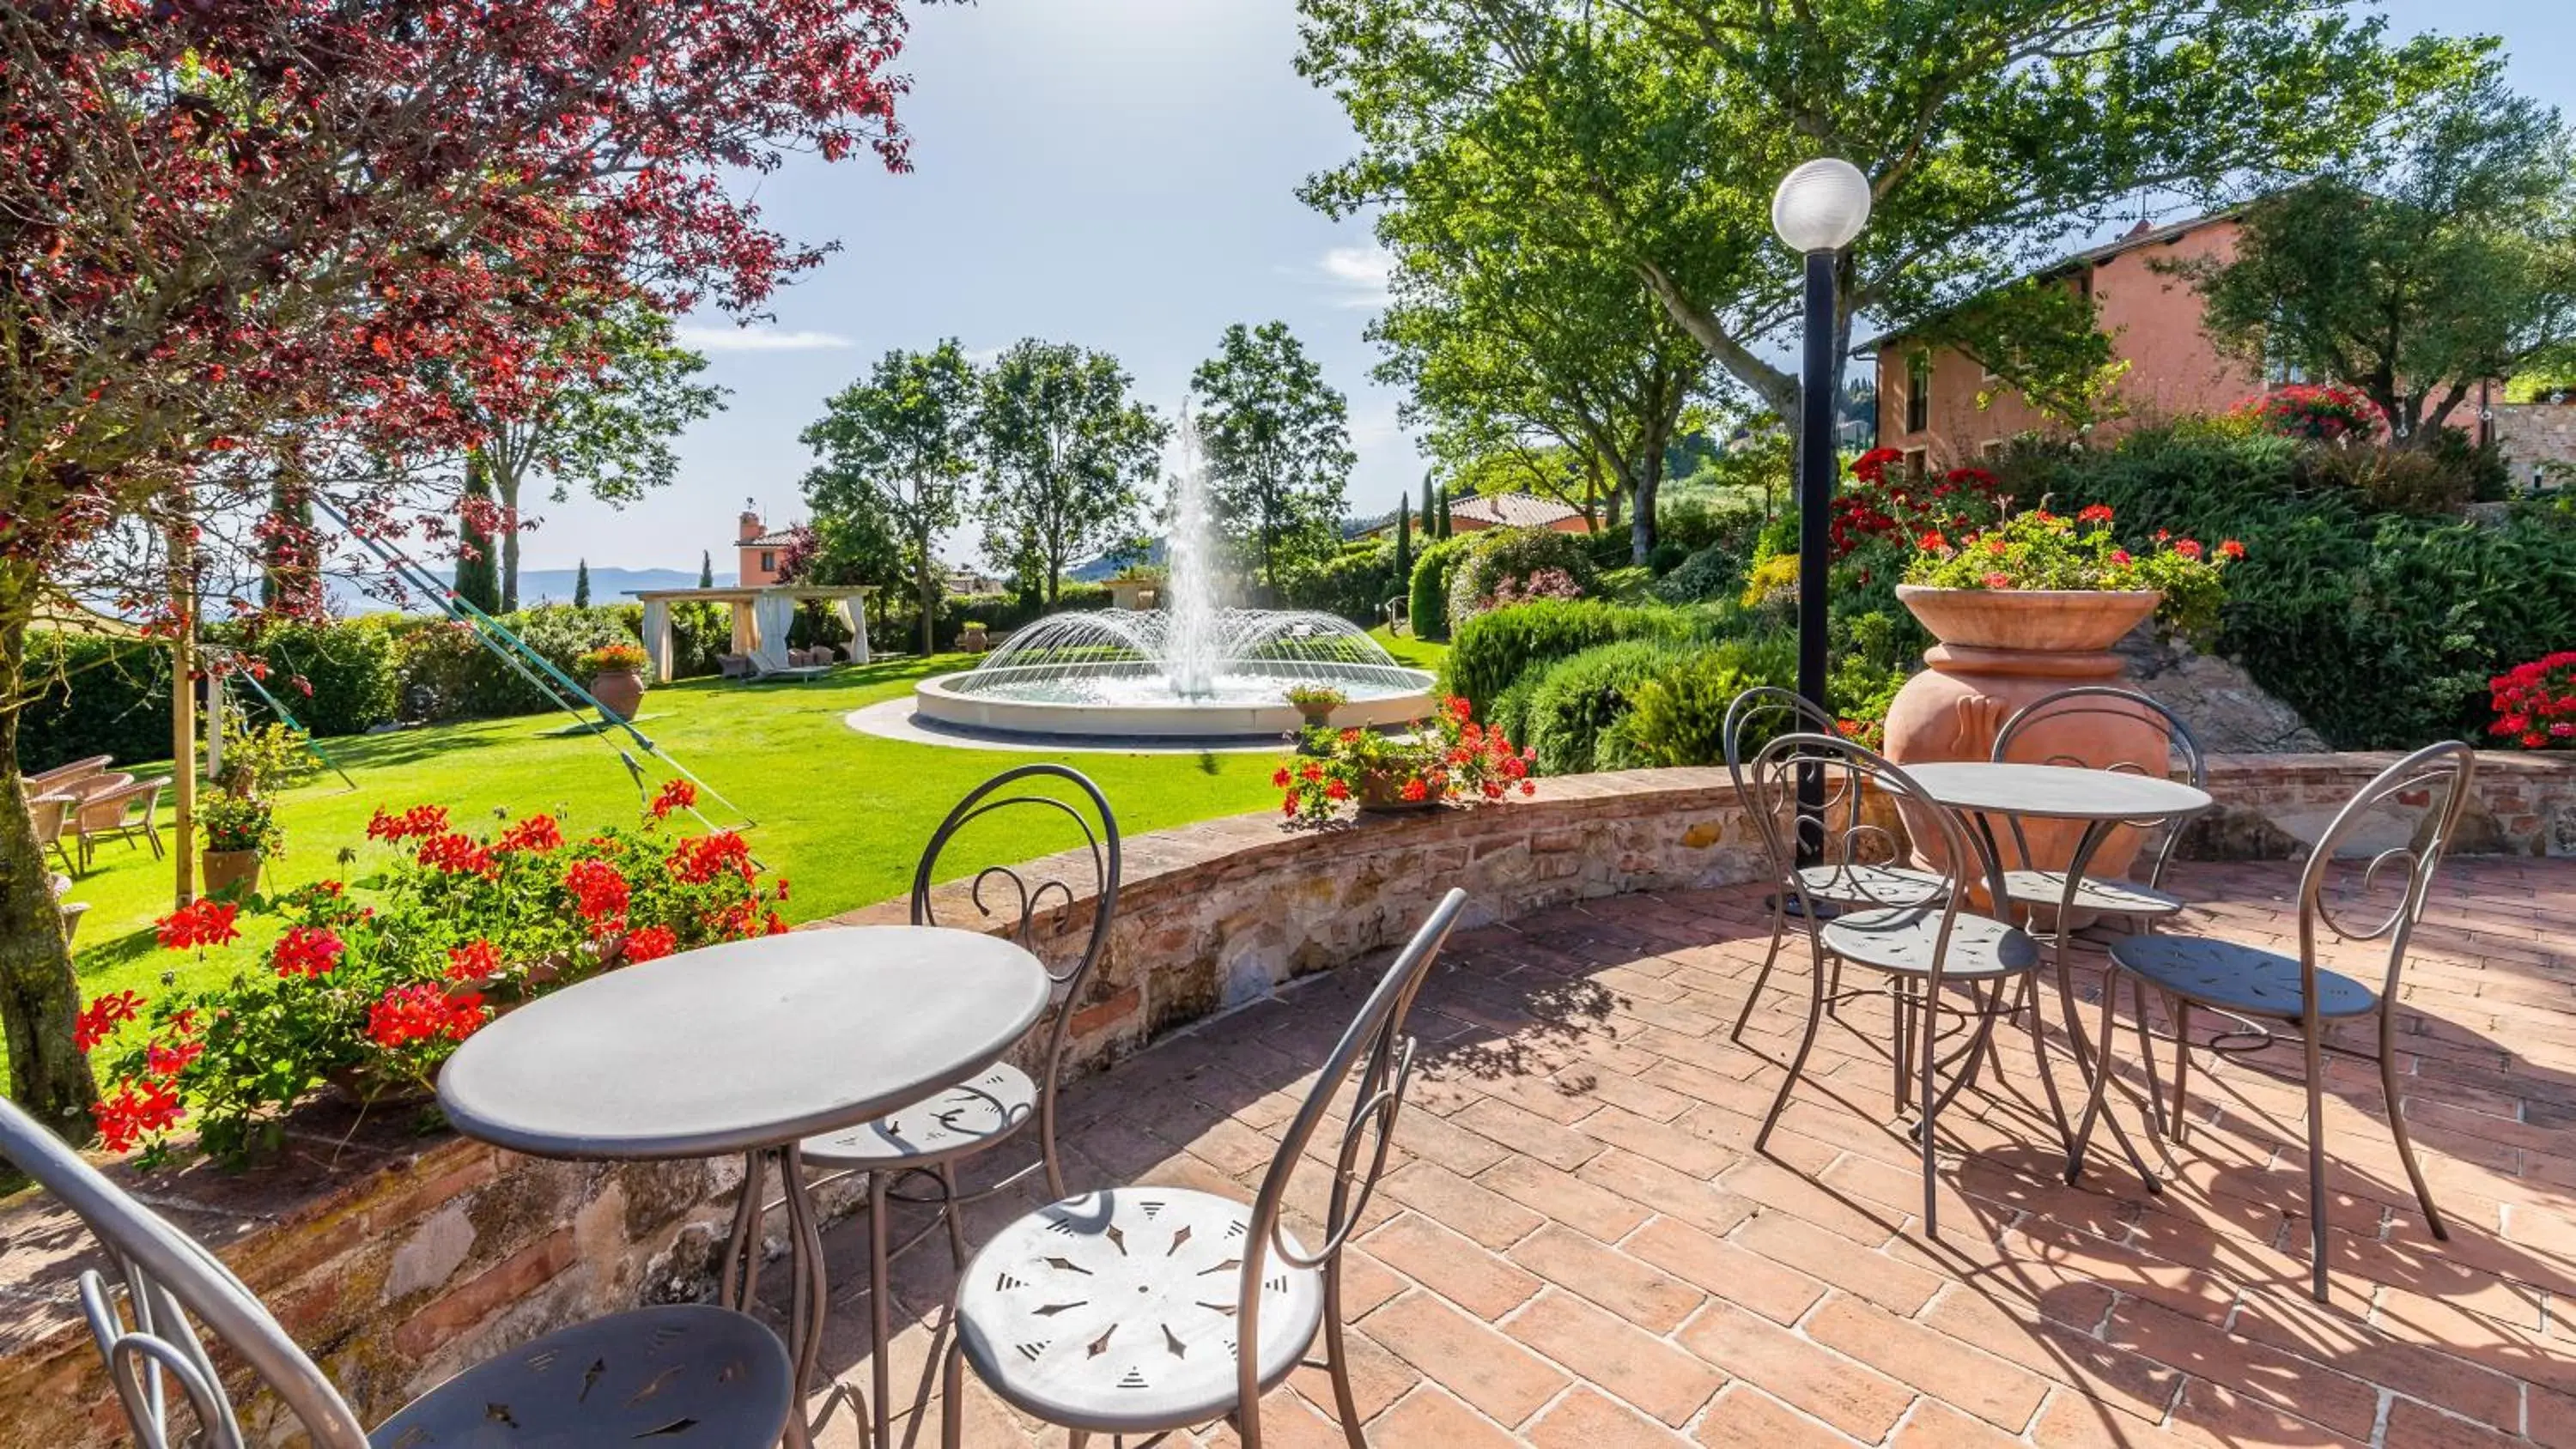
<point>94,696</point>
<point>1677,716</point>
<point>336,679</point>
<point>1000,613</point>
<point>1427,593</point>
<point>1492,650</point>
<point>1355,583</point>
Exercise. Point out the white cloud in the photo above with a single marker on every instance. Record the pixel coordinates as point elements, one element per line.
<point>1358,274</point>
<point>758,339</point>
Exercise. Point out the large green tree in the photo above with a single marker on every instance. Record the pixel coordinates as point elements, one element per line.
<point>606,430</point>
<point>1653,132</point>
<point>1278,444</point>
<point>1065,456</point>
<point>1507,346</point>
<point>900,445</point>
<point>2445,262</point>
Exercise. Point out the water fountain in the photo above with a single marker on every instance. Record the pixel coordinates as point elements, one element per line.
<point>1193,669</point>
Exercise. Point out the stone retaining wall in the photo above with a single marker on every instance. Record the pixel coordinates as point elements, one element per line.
<point>399,1259</point>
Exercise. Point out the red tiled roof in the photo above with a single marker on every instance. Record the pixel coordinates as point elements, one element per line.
<point>1513,510</point>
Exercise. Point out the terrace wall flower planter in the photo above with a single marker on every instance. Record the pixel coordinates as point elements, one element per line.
<point>2001,649</point>
<point>228,872</point>
<point>1383,794</point>
<point>620,692</point>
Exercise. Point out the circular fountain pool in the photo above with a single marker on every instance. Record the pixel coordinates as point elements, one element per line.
<point>1189,673</point>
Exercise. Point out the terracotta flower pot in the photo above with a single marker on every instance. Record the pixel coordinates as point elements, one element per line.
<point>620,693</point>
<point>228,872</point>
<point>1316,716</point>
<point>1383,793</point>
<point>2001,649</point>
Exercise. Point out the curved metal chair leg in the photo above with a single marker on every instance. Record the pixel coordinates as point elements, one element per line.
<point>1930,1043</point>
<point>952,1390</point>
<point>2181,1011</point>
<point>2147,1054</point>
<point>880,1315</point>
<point>948,1212</point>
<point>2397,1127</point>
<point>2315,1052</point>
<point>1762,978</point>
<point>1798,1059</point>
<point>1337,1361</point>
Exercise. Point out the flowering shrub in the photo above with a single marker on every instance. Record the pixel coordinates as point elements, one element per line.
<point>371,984</point>
<point>240,822</point>
<point>1546,583</point>
<point>2040,550</point>
<point>610,658</point>
<point>2329,414</point>
<point>1884,503</point>
<point>1447,757</point>
<point>2535,703</point>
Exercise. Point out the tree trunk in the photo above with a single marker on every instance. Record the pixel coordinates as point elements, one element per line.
<point>505,478</point>
<point>39,993</point>
<point>926,578</point>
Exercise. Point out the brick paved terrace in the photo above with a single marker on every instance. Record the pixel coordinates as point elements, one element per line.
<point>1577,1244</point>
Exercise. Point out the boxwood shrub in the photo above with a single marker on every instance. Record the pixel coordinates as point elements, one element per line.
<point>1582,698</point>
<point>1427,592</point>
<point>1491,650</point>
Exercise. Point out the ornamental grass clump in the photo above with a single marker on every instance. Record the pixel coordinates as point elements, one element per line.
<point>371,984</point>
<point>2535,703</point>
<point>1447,757</point>
<point>2040,550</point>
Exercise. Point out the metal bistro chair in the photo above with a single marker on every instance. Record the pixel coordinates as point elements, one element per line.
<point>2024,738</point>
<point>685,1375</point>
<point>1758,715</point>
<point>2255,986</point>
<point>123,813</point>
<point>935,1136</point>
<point>1123,1312</point>
<point>1921,946</point>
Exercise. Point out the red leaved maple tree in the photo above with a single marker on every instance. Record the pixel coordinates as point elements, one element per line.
<point>324,241</point>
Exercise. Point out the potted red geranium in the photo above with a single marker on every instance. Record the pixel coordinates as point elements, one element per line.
<point>1449,757</point>
<point>617,678</point>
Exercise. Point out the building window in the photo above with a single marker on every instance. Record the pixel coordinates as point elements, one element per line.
<point>1918,463</point>
<point>768,562</point>
<point>1993,447</point>
<point>1918,391</point>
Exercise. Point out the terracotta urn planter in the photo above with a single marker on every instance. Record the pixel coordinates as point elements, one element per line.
<point>620,692</point>
<point>2001,649</point>
<point>972,637</point>
<point>1317,714</point>
<point>228,872</point>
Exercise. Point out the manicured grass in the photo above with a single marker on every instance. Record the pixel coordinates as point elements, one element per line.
<point>843,815</point>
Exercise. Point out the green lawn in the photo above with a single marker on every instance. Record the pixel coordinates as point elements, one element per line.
<point>843,815</point>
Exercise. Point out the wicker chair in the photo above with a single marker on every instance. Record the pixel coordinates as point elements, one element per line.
<point>125,813</point>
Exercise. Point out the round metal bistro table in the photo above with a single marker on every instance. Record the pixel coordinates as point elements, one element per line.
<point>748,1047</point>
<point>2101,801</point>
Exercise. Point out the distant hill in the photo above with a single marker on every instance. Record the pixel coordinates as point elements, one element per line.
<point>551,586</point>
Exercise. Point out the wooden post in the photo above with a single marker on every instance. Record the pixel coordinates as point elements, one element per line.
<point>183,712</point>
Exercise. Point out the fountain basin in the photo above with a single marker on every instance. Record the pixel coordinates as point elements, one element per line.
<point>1213,674</point>
<point>1143,707</point>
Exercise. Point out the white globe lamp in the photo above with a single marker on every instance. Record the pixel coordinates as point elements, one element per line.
<point>1821,206</point>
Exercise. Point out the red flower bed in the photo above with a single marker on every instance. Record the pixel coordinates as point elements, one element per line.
<point>2535,703</point>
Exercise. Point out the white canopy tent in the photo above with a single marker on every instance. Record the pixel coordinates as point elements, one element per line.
<point>761,616</point>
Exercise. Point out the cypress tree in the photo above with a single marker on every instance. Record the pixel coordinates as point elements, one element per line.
<point>1403,545</point>
<point>478,558</point>
<point>1447,525</point>
<point>1424,512</point>
<point>581,584</point>
<point>706,569</point>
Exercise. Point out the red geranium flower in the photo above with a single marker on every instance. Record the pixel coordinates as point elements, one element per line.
<point>99,1020</point>
<point>676,795</point>
<point>2094,513</point>
<point>2232,549</point>
<point>306,951</point>
<point>456,854</point>
<point>133,1111</point>
<point>537,833</point>
<point>651,943</point>
<point>475,961</point>
<point>167,1061</point>
<point>422,1011</point>
<point>420,821</point>
<point>204,923</point>
<point>703,858</point>
<point>2189,549</point>
<point>598,891</point>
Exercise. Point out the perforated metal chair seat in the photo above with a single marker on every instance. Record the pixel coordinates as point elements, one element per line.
<point>1115,1311</point>
<point>1903,942</point>
<point>689,1376</point>
<point>2241,979</point>
<point>2092,893</point>
<point>1871,885</point>
<point>966,1118</point>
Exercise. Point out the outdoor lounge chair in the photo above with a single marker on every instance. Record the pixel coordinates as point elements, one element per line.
<point>687,1374</point>
<point>1145,1310</point>
<point>733,666</point>
<point>48,814</point>
<point>72,911</point>
<point>124,813</point>
<point>60,778</point>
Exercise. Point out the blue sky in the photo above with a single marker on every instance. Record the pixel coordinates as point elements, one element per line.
<point>1119,174</point>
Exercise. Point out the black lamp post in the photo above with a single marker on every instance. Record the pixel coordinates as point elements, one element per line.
<point>1819,208</point>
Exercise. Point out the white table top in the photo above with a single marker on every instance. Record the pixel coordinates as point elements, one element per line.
<point>744,1045</point>
<point>2055,792</point>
